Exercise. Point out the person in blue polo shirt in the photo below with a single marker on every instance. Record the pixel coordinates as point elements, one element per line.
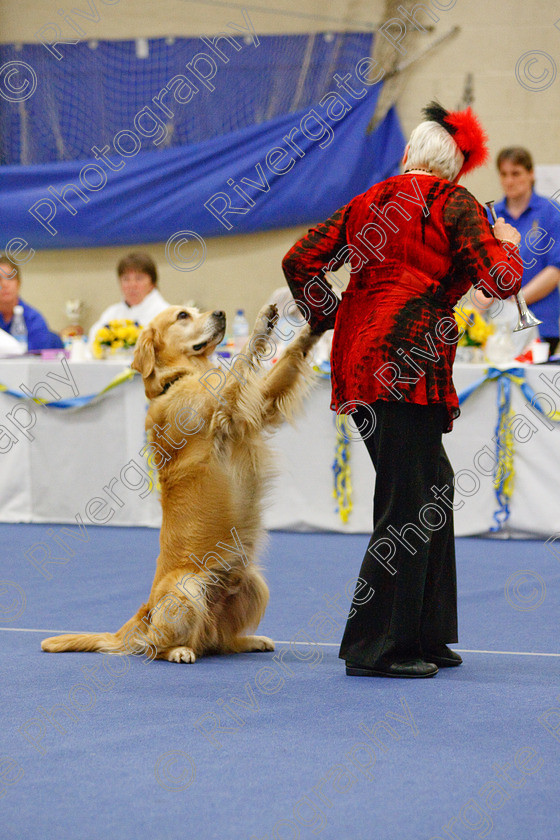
<point>538,221</point>
<point>39,337</point>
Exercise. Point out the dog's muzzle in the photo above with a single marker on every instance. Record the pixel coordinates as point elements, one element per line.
<point>218,325</point>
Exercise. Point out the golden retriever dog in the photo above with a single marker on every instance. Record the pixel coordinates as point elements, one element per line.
<point>206,438</point>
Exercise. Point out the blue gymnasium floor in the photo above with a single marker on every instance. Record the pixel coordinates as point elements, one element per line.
<point>135,752</point>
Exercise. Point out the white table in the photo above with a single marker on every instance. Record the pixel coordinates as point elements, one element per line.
<point>74,453</point>
<point>303,498</point>
<point>77,456</point>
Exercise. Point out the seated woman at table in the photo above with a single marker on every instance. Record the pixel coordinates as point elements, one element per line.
<point>141,301</point>
<point>39,337</point>
<point>538,221</point>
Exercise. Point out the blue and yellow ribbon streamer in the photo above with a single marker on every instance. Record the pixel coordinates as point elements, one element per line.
<point>323,370</point>
<point>516,375</point>
<point>72,402</point>
<point>342,491</point>
<point>504,475</point>
<point>505,470</point>
<point>342,473</point>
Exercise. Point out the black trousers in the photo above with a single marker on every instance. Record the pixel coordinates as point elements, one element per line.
<point>410,560</point>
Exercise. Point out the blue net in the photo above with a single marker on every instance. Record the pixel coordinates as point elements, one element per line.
<point>98,89</point>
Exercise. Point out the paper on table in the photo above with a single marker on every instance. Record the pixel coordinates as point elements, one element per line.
<point>9,346</point>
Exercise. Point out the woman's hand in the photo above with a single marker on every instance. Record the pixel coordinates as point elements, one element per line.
<point>506,232</point>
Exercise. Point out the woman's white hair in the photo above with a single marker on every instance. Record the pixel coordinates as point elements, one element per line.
<point>432,147</point>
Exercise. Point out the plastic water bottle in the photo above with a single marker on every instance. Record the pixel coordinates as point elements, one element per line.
<point>240,331</point>
<point>18,328</point>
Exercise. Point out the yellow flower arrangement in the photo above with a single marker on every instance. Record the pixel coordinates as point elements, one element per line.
<point>475,330</point>
<point>116,335</point>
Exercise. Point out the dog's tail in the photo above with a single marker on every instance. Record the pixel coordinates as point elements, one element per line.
<point>103,642</point>
<point>126,640</point>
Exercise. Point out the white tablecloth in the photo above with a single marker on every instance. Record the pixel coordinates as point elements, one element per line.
<point>75,453</point>
<point>78,456</point>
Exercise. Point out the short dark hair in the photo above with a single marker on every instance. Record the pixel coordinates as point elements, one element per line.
<point>516,155</point>
<point>138,261</point>
<point>6,260</point>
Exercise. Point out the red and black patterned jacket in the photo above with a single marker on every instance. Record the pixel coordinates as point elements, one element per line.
<point>414,245</point>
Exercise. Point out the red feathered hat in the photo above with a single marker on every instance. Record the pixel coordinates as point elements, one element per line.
<point>467,132</point>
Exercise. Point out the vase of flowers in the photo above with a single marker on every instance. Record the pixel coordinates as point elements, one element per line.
<point>116,339</point>
<point>473,334</point>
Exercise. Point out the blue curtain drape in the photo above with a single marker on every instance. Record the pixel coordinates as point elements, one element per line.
<point>292,168</point>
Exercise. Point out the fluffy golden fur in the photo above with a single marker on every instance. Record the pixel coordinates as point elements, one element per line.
<point>213,463</point>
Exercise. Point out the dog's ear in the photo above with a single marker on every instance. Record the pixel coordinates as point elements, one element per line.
<point>145,353</point>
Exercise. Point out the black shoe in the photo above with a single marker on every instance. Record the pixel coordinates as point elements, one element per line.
<point>412,668</point>
<point>444,657</point>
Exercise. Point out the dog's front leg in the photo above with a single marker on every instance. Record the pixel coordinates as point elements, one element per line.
<point>254,349</point>
<point>242,371</point>
<point>264,325</point>
<point>284,385</point>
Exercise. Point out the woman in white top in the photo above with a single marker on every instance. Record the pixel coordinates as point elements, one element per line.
<point>141,301</point>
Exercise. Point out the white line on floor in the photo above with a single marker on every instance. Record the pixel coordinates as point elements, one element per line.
<point>313,644</point>
<point>507,652</point>
<point>33,630</point>
<point>459,650</point>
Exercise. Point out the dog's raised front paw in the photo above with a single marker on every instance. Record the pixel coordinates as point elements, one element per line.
<point>266,319</point>
<point>180,654</point>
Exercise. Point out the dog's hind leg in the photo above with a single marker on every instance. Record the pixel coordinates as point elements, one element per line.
<point>177,627</point>
<point>248,644</point>
<point>242,611</point>
<point>177,654</point>
<point>162,638</point>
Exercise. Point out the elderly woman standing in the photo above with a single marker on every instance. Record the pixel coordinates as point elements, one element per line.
<point>415,244</point>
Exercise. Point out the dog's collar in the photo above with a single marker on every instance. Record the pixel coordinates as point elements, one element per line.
<point>171,382</point>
